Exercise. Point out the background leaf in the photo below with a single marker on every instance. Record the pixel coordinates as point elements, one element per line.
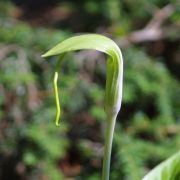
<point>167,170</point>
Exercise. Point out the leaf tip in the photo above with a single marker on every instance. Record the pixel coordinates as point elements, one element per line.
<point>57,124</point>
<point>48,53</point>
<point>44,55</point>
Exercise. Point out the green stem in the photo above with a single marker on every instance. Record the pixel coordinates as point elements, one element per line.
<point>111,120</point>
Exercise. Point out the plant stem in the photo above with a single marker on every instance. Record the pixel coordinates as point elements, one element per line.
<point>111,120</point>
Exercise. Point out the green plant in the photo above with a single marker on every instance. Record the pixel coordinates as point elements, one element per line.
<point>114,81</point>
<point>147,129</point>
<point>169,169</point>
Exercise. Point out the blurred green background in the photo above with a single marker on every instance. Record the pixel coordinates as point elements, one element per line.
<point>148,126</point>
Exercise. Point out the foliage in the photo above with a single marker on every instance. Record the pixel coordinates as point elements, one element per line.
<point>114,82</point>
<point>113,92</point>
<point>147,129</point>
<point>166,170</point>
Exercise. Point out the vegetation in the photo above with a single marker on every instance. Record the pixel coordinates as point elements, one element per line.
<point>147,129</point>
<point>114,82</point>
<point>169,169</point>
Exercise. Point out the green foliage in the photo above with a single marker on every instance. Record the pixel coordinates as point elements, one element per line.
<point>29,130</point>
<point>170,169</point>
<point>114,82</point>
<point>26,36</point>
<point>113,92</point>
<point>147,129</point>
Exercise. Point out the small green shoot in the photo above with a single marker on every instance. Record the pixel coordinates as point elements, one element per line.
<point>114,81</point>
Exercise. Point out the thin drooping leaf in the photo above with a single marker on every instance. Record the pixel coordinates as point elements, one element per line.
<point>113,92</point>
<point>167,170</point>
